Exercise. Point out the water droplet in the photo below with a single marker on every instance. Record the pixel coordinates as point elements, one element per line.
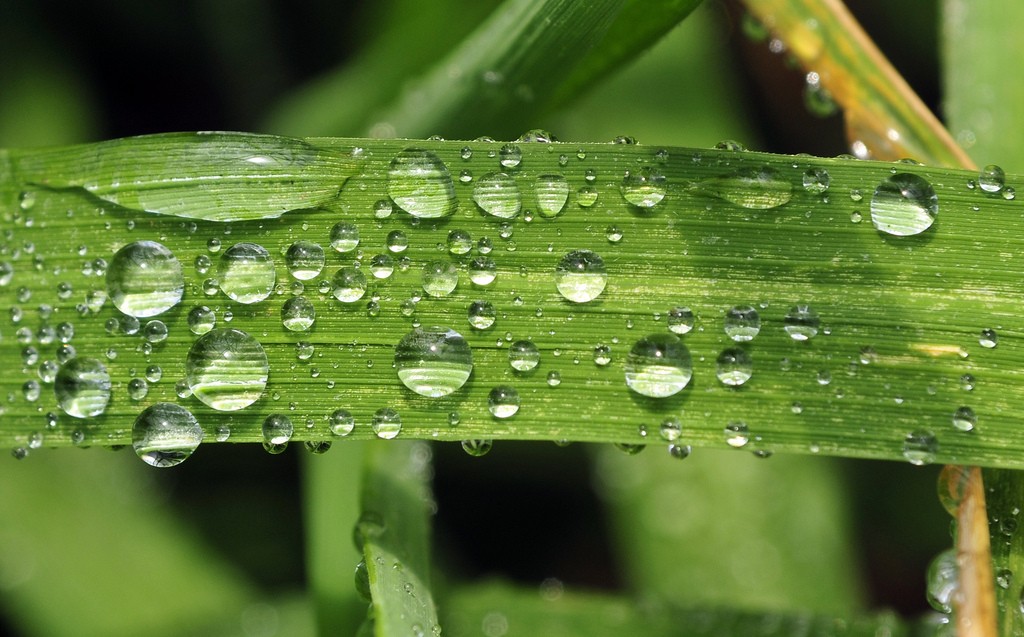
<point>737,434</point>
<point>397,241</point>
<point>671,429</point>
<point>943,581</point>
<point>298,314</point>
<point>201,320</point>
<point>510,156</point>
<point>226,369</point>
<point>602,355</point>
<point>82,387</point>
<point>477,448</point>
<point>554,378</point>
<point>440,278</point>
<point>580,276</point>
<point>246,273</point>
<point>348,285</point>
<point>481,314</point>
<point>988,338</point>
<point>304,350</point>
<point>742,323</point>
<point>904,205</point>
<point>586,196</point>
<point>420,184</point>
<point>165,435</point>
<point>552,193</point>
<point>679,452</point>
<point>497,194</point>
<point>382,209</point>
<point>992,178</point>
<point>751,188</point>
<point>920,447</point>
<point>386,423</point>
<point>967,382</point>
<point>137,389</point>
<point>145,279</point>
<point>523,356</point>
<point>503,402</point>
<point>643,188</point>
<point>382,266</point>
<point>801,323</point>
<point>816,180</point>
<point>305,260</point>
<point>341,422</point>
<point>433,361</point>
<point>155,331</point>
<point>482,271</point>
<point>965,419</point>
<point>680,320</point>
<point>459,242</point>
<point>658,366</point>
<point>344,237</point>
<point>734,367</point>
<point>277,429</point>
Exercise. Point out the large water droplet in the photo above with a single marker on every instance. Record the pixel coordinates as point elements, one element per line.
<point>801,323</point>
<point>658,366</point>
<point>680,320</point>
<point>277,429</point>
<point>165,435</point>
<point>433,361</point>
<point>305,260</point>
<point>552,193</point>
<point>752,188</point>
<point>440,278</point>
<point>227,369</point>
<point>348,285</point>
<point>943,581</point>
<point>503,402</point>
<point>904,205</point>
<point>145,279</point>
<point>246,273</point>
<point>992,178</point>
<point>82,387</point>
<point>420,184</point>
<point>734,367</point>
<point>201,319</point>
<point>644,188</point>
<point>742,323</point>
<point>580,276</point>
<point>386,423</point>
<point>497,194</point>
<point>341,422</point>
<point>481,314</point>
<point>344,236</point>
<point>523,356</point>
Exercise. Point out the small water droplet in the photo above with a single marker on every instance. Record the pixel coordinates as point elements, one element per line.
<point>433,361</point>
<point>165,435</point>
<point>965,419</point>
<point>552,194</point>
<point>459,242</point>
<point>386,423</point>
<point>348,284</point>
<point>801,323</point>
<point>523,356</point>
<point>277,430</point>
<point>904,205</point>
<point>816,180</point>
<point>920,447</point>
<point>420,184</point>
<point>742,323</point>
<point>481,314</point>
<point>344,237</point>
<point>602,355</point>
<point>734,367</point>
<point>482,271</point>
<point>658,366</point>
<point>671,429</point>
<point>341,422</point>
<point>680,320</point>
<point>497,194</point>
<point>440,278</point>
<point>305,260</point>
<point>298,314</point>
<point>137,389</point>
<point>510,156</point>
<point>737,434</point>
<point>477,448</point>
<point>246,273</point>
<point>82,387</point>
<point>988,338</point>
<point>679,452</point>
<point>145,279</point>
<point>581,276</point>
<point>586,196</point>
<point>503,402</point>
<point>201,319</point>
<point>643,188</point>
<point>992,178</point>
<point>226,369</point>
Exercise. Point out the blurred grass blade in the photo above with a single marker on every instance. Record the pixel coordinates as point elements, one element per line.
<point>211,176</point>
<point>1005,501</point>
<point>902,332</point>
<point>980,42</point>
<point>640,24</point>
<point>394,528</point>
<point>496,608</point>
<point>331,494</point>
<point>882,112</point>
<point>492,83</point>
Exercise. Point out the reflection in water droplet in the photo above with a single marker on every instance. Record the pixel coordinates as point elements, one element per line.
<point>904,205</point>
<point>801,323</point>
<point>734,367</point>
<point>816,180</point>
<point>348,285</point>
<point>201,319</point>
<point>497,194</point>
<point>305,260</point>
<point>510,156</point>
<point>943,581</point>
<point>552,194</point>
<point>298,314</point>
<point>751,188</point>
<point>965,419</point>
<point>227,369</point>
<point>680,320</point>
<point>658,366</point>
<point>992,178</point>
<point>341,422</point>
<point>477,448</point>
<point>737,434</point>
<point>643,188</point>
<point>459,242</point>
<point>420,184</point>
<point>246,273</point>
<point>386,423</point>
<point>344,237</point>
<point>503,402</point>
<point>482,270</point>
<point>742,323</point>
<point>82,387</point>
<point>988,338</point>
<point>580,276</point>
<point>433,361</point>
<point>277,429</point>
<point>440,278</point>
<point>481,314</point>
<point>671,429</point>
<point>165,435</point>
<point>523,356</point>
<point>145,279</point>
<point>679,452</point>
<point>920,447</point>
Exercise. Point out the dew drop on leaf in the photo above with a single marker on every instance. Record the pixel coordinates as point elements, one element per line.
<point>82,387</point>
<point>497,194</point>
<point>433,361</point>
<point>145,279</point>
<point>503,402</point>
<point>658,366</point>
<point>246,273</point>
<point>420,184</point>
<point>904,205</point>
<point>581,276</point>
<point>734,367</point>
<point>386,423</point>
<point>165,435</point>
<point>226,369</point>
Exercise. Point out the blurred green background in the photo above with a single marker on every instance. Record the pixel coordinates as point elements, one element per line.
<point>96,543</point>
